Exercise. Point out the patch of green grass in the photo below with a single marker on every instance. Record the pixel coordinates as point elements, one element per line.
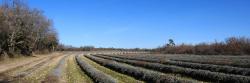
<point>120,77</point>
<point>74,72</point>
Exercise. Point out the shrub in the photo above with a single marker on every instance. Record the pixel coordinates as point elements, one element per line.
<point>231,46</point>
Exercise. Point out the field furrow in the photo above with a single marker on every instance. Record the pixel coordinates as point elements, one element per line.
<point>240,64</point>
<point>74,73</point>
<point>113,67</point>
<point>140,73</point>
<point>196,74</point>
<point>210,67</point>
<point>120,77</point>
<point>95,74</point>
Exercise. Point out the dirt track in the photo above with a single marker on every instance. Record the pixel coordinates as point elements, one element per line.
<point>21,68</point>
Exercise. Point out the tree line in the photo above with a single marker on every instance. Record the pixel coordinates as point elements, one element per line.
<point>231,46</point>
<point>25,30</point>
<point>62,47</point>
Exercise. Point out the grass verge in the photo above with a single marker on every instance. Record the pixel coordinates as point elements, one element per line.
<point>74,73</point>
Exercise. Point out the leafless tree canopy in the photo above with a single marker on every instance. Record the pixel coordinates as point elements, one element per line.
<point>24,30</point>
<point>231,46</point>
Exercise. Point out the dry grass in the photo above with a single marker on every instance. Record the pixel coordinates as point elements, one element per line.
<point>39,75</point>
<point>15,63</point>
<point>11,64</point>
<point>51,79</point>
<point>74,73</point>
<point>26,67</point>
<point>23,68</point>
<point>58,73</point>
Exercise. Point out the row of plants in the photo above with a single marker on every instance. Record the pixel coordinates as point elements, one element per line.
<point>235,63</point>
<point>210,67</point>
<point>225,60</point>
<point>139,73</point>
<point>203,75</point>
<point>96,75</point>
<point>229,60</point>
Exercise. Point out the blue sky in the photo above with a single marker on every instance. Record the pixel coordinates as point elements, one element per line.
<point>145,23</point>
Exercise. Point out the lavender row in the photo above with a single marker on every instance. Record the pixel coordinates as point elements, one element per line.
<point>210,67</point>
<point>139,73</point>
<point>194,73</point>
<point>96,75</point>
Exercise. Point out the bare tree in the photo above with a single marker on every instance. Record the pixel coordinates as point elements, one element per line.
<point>24,30</point>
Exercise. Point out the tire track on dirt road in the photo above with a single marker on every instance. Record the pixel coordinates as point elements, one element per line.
<point>16,75</point>
<point>38,75</point>
<point>56,76</point>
